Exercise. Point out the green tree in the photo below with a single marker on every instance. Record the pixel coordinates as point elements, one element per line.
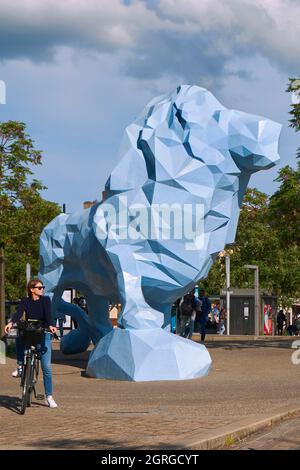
<point>23,212</point>
<point>26,225</point>
<point>268,232</point>
<point>294,87</point>
<point>285,202</point>
<point>285,206</point>
<point>255,244</point>
<point>17,153</point>
<point>258,242</point>
<point>250,246</point>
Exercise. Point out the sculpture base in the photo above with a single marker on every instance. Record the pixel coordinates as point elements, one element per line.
<point>145,355</point>
<point>76,341</point>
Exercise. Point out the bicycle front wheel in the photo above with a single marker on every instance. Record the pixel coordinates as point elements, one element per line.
<point>26,382</point>
<point>33,379</point>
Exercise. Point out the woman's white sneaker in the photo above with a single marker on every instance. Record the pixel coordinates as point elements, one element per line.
<point>50,401</point>
<point>17,372</point>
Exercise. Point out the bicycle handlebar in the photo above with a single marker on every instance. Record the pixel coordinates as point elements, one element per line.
<point>32,326</point>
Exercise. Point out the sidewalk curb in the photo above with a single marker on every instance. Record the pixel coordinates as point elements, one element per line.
<point>226,439</point>
<point>245,338</point>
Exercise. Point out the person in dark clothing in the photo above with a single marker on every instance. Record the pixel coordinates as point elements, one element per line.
<point>281,319</point>
<point>202,315</point>
<point>188,307</point>
<point>294,328</point>
<point>36,307</point>
<point>61,318</point>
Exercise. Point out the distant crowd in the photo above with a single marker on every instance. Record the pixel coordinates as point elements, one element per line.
<point>197,314</point>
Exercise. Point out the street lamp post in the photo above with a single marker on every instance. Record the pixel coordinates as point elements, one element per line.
<point>28,273</point>
<point>256,296</point>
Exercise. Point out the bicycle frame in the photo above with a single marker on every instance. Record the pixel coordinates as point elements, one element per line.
<point>30,369</point>
<point>29,376</point>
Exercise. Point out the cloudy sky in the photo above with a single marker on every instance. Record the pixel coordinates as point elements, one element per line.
<point>77,72</point>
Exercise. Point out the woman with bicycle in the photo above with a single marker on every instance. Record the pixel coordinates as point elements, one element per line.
<point>37,307</point>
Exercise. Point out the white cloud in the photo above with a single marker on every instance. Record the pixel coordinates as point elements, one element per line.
<point>103,25</point>
<point>161,35</point>
<point>76,109</point>
<point>269,26</point>
<point>108,60</point>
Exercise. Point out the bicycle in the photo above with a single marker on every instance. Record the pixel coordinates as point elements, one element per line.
<point>31,332</point>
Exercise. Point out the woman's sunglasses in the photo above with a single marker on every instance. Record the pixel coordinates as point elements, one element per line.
<point>39,287</point>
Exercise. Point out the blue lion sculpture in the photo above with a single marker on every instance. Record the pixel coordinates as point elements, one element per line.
<point>172,204</point>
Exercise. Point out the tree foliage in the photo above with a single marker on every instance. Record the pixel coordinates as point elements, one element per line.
<point>23,212</point>
<point>259,242</point>
<point>285,206</point>
<point>26,225</point>
<point>268,234</point>
<point>294,87</point>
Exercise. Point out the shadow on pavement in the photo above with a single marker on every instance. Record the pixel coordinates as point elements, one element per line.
<point>14,403</point>
<point>11,403</point>
<point>79,360</point>
<point>95,444</point>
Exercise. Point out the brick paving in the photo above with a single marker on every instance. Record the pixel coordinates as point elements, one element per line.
<point>249,380</point>
<point>283,436</point>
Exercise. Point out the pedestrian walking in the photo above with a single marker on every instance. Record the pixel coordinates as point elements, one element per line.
<point>61,318</point>
<point>223,317</point>
<point>188,307</point>
<point>281,319</point>
<point>294,328</point>
<point>202,314</point>
<point>216,316</point>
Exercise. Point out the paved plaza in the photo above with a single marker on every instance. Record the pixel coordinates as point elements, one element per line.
<point>284,436</point>
<point>251,383</point>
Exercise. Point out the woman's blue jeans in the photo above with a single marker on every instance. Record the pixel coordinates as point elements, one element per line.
<point>46,353</point>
